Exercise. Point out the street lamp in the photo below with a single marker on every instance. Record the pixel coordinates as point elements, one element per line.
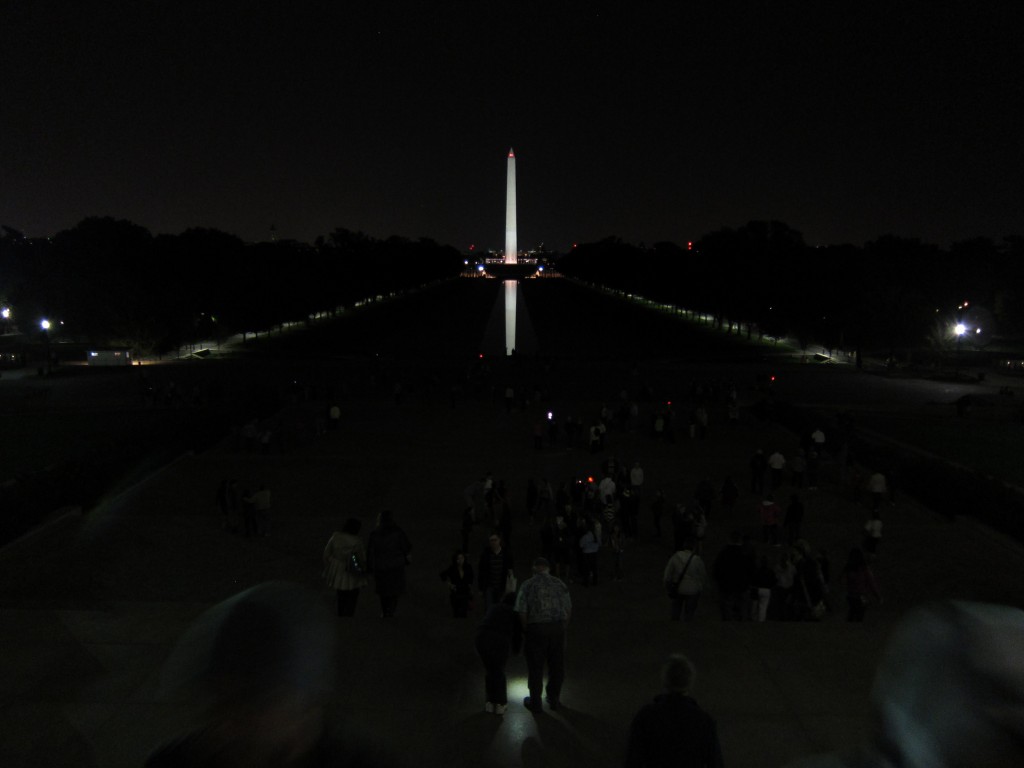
<point>45,325</point>
<point>960,329</point>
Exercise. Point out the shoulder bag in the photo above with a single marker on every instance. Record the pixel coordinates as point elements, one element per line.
<point>672,587</point>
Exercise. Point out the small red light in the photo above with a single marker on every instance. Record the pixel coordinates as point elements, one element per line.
<point>481,356</point>
<point>689,245</point>
<point>773,378</point>
<point>590,479</point>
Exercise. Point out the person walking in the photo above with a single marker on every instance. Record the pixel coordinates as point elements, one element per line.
<point>873,533</point>
<point>729,494</point>
<point>544,607</point>
<point>388,555</point>
<point>636,480</point>
<point>733,574</point>
<point>761,590</point>
<point>673,731</point>
<point>878,488</point>
<point>776,463</point>
<point>345,565</point>
<point>228,501</point>
<point>771,517</point>
<point>459,577</point>
<point>498,635</point>
<point>261,507</point>
<point>590,545</point>
<point>494,570</point>
<point>860,585</point>
<point>685,576</point>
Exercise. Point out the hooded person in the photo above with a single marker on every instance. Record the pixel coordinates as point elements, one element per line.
<point>256,672</point>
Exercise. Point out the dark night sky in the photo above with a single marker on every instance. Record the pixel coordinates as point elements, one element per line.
<point>648,121</point>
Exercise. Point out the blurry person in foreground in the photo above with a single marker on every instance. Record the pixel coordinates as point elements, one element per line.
<point>672,731</point>
<point>948,692</point>
<point>256,673</point>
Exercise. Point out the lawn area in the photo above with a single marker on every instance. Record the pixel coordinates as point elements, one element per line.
<point>993,446</point>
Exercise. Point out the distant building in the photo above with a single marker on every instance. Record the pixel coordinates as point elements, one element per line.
<point>108,357</point>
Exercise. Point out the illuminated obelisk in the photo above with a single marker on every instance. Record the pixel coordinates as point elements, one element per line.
<point>510,211</point>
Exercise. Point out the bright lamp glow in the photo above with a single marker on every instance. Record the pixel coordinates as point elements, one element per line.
<point>960,329</point>
<point>44,324</point>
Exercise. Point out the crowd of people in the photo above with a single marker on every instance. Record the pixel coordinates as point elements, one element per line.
<point>583,526</point>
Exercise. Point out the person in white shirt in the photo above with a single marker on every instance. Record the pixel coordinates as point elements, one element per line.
<point>776,463</point>
<point>636,480</point>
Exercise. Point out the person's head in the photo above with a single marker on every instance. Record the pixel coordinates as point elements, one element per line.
<point>386,520</point>
<point>352,526</point>
<point>950,688</point>
<point>494,542</point>
<point>459,558</point>
<point>677,674</point>
<point>259,668</point>
<point>541,565</point>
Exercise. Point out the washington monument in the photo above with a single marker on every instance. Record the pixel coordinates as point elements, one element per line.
<point>510,211</point>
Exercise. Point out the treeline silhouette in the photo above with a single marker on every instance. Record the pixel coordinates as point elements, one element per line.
<point>112,282</point>
<point>892,295</point>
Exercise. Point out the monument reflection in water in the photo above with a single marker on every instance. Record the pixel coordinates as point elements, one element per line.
<point>510,315</point>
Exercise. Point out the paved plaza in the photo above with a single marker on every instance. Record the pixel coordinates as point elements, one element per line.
<point>93,604</point>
